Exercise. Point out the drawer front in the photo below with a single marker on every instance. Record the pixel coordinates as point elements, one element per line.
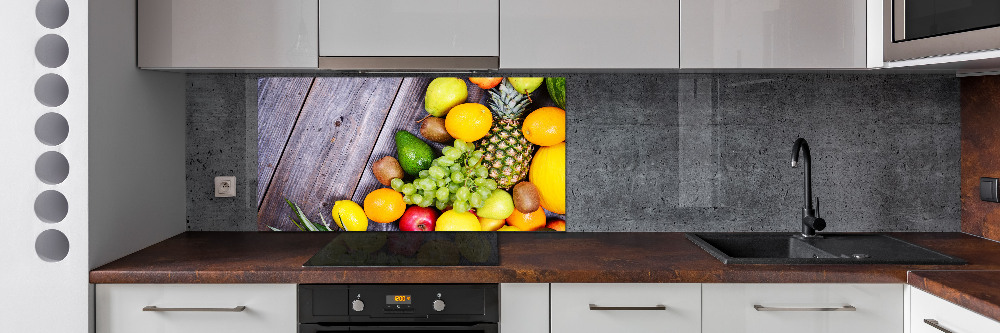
<point>572,312</point>
<point>404,28</point>
<point>949,316</point>
<point>730,308</point>
<point>269,308</point>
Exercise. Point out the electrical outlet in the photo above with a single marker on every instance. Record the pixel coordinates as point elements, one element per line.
<point>225,186</point>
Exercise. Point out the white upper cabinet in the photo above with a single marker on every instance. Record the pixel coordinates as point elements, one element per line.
<point>779,33</point>
<point>580,34</point>
<point>227,34</point>
<point>404,28</point>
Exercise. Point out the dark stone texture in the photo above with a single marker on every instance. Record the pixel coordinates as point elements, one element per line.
<point>221,141</point>
<point>686,152</point>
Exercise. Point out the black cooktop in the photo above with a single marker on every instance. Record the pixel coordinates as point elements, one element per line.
<point>400,248</point>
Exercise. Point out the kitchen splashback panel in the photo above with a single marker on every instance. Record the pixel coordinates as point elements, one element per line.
<point>683,152</point>
<point>321,141</point>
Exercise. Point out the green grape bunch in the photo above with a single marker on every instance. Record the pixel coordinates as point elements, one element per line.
<point>458,179</point>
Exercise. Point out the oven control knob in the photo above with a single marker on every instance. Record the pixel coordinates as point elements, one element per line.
<point>358,305</point>
<point>438,305</point>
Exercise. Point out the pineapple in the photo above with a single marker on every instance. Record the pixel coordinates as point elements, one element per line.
<point>507,153</point>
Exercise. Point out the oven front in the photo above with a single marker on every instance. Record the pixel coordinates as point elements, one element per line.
<point>459,308</point>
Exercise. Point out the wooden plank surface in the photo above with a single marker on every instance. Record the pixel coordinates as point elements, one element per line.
<point>278,105</point>
<point>407,110</point>
<point>328,149</point>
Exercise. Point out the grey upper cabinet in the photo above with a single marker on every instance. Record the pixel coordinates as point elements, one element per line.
<point>778,34</point>
<point>227,34</point>
<point>406,34</point>
<point>581,34</point>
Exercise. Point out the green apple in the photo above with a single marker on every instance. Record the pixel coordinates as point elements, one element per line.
<point>498,206</point>
<point>526,85</point>
<point>443,94</point>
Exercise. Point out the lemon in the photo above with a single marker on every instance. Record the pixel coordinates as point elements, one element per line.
<point>509,228</point>
<point>349,216</point>
<point>458,221</point>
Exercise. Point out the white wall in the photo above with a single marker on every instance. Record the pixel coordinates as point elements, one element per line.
<point>137,186</point>
<point>36,295</point>
<point>125,150</point>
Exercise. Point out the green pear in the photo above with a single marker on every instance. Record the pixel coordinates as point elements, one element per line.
<point>443,94</point>
<point>498,206</point>
<point>526,85</point>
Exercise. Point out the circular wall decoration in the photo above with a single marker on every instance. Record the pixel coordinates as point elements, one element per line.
<point>51,206</point>
<point>52,245</point>
<point>52,167</point>
<point>51,90</point>
<point>51,51</point>
<point>51,129</point>
<point>52,13</point>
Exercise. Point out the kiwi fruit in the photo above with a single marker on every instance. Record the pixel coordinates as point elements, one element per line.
<point>526,197</point>
<point>433,129</point>
<point>386,169</point>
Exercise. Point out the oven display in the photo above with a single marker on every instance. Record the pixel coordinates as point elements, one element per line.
<point>397,299</point>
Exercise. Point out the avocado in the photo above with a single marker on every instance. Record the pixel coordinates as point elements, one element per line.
<point>415,155</point>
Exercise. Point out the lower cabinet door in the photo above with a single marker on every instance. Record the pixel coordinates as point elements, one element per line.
<point>195,308</point>
<point>930,314</point>
<point>627,307</point>
<point>524,308</point>
<point>802,308</point>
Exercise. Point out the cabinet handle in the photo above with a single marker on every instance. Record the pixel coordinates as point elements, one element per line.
<point>759,307</point>
<point>630,308</point>
<point>935,324</point>
<point>233,309</point>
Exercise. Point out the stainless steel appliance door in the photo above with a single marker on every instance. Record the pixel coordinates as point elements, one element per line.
<point>927,28</point>
<point>930,18</point>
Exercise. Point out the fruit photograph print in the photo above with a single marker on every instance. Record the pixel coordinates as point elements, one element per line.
<point>411,154</point>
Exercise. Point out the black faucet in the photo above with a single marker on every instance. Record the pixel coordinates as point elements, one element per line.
<point>810,222</point>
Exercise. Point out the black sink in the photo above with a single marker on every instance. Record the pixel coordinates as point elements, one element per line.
<point>788,248</point>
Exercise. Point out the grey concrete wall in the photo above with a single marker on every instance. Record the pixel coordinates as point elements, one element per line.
<point>221,141</point>
<point>685,152</point>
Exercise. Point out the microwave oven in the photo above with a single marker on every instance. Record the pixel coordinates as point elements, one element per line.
<point>915,29</point>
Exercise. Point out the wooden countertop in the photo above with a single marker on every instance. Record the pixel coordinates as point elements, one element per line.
<point>272,257</point>
<point>978,291</point>
<point>277,257</point>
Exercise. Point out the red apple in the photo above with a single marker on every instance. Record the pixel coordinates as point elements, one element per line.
<point>418,218</point>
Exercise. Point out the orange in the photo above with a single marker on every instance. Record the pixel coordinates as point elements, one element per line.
<point>557,225</point>
<point>527,221</point>
<point>468,122</point>
<point>545,126</point>
<point>548,173</point>
<point>384,205</point>
<point>486,82</point>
